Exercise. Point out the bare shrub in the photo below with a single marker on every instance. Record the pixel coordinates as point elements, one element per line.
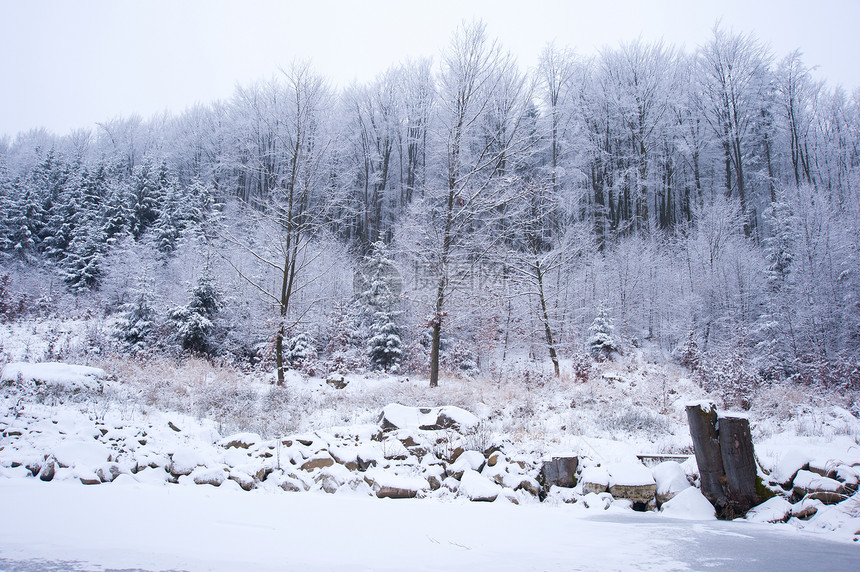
<point>635,421</point>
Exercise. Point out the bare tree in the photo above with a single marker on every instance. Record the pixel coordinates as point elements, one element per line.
<point>295,207</point>
<point>477,182</point>
<point>733,77</point>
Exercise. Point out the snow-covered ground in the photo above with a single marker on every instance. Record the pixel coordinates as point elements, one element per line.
<point>133,525</point>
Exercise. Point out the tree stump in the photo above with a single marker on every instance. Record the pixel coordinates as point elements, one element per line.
<point>706,444</point>
<point>739,462</point>
<point>724,454</point>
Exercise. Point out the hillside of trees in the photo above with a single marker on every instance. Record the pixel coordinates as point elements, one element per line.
<point>459,212</point>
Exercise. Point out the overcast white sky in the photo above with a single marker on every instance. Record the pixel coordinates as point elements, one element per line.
<point>65,64</point>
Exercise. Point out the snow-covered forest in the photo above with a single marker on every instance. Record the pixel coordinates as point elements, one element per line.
<point>702,205</point>
<point>463,280</point>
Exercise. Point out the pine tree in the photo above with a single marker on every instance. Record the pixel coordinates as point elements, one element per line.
<point>301,350</point>
<point>146,195</point>
<point>378,284</point>
<point>385,347</point>
<point>82,266</point>
<point>136,322</point>
<point>601,341</point>
<point>168,227</point>
<point>196,324</point>
<point>780,244</point>
<point>82,257</point>
<point>116,217</point>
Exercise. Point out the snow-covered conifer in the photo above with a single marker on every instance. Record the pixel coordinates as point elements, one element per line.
<point>601,341</point>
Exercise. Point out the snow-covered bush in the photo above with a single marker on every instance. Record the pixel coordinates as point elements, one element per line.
<point>623,423</point>
<point>581,365</point>
<point>301,351</point>
<point>734,376</point>
<point>459,358</point>
<point>688,354</point>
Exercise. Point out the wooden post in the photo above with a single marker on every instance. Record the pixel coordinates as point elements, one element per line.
<point>724,454</point>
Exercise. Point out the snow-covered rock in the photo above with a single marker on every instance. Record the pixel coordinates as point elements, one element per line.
<point>560,471</point>
<point>214,476</point>
<point>631,481</point>
<point>318,461</point>
<point>793,461</point>
<point>387,484</point>
<point>396,416</point>
<point>184,460</point>
<point>594,479</point>
<point>78,453</point>
<point>597,501</point>
<point>671,480</point>
<point>67,376</point>
<point>478,488</point>
<point>689,504</point>
<point>468,460</point>
<point>240,440</point>
<point>813,485</point>
<point>806,508</point>
<point>776,509</point>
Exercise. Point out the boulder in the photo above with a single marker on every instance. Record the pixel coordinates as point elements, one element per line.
<point>318,461</point>
<point>689,504</point>
<point>788,466</point>
<point>387,484</point>
<point>773,510</point>
<point>527,484</point>
<point>89,479</point>
<point>806,508</point>
<point>245,481</point>
<point>368,456</point>
<point>394,450</point>
<point>107,473</point>
<point>332,478</point>
<point>293,484</point>
<point>846,474</point>
<point>632,481</point>
<point>671,480</point>
<point>468,460</point>
<point>209,476</point>
<point>346,457</point>
<point>451,417</point>
<point>48,469</point>
<point>328,483</point>
<point>336,381</point>
<point>812,485</point>
<point>240,441</point>
<point>396,416</point>
<point>597,501</point>
<point>184,460</point>
<point>478,488</point>
<point>594,479</point>
<point>559,472</point>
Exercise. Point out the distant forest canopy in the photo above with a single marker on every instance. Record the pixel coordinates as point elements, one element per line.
<point>702,205</point>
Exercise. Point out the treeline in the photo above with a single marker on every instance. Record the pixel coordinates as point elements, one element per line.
<point>707,202</point>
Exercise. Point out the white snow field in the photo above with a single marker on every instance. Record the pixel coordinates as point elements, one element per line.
<point>129,525</point>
